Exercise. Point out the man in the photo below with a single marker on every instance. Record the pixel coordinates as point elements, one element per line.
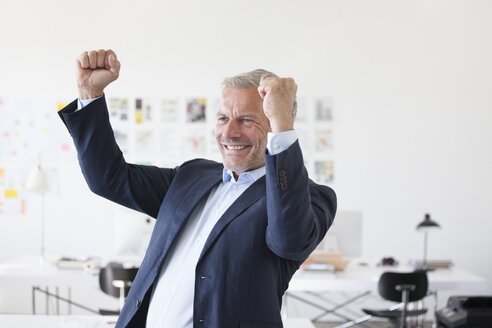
<point>228,237</point>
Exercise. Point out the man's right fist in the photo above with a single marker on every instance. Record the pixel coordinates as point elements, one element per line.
<point>95,70</point>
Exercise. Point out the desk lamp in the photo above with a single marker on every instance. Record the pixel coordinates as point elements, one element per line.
<point>426,226</point>
<point>38,183</point>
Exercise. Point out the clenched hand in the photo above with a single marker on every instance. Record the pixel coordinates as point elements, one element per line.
<point>95,70</point>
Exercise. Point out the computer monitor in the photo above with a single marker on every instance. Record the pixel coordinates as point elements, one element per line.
<point>345,234</point>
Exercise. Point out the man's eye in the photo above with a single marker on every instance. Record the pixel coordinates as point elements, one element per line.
<point>222,119</point>
<point>246,120</point>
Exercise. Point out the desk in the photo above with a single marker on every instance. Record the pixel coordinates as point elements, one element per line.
<point>358,278</point>
<point>50,321</point>
<point>363,280</point>
<point>31,272</point>
<point>355,278</point>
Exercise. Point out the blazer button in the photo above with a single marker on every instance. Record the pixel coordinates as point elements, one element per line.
<point>138,303</point>
<point>282,173</point>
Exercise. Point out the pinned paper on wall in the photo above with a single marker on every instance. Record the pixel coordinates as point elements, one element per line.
<point>143,111</point>
<point>145,144</point>
<point>169,110</point>
<point>29,127</point>
<point>323,109</point>
<point>12,195</point>
<point>119,109</point>
<point>324,171</point>
<point>195,110</point>
<point>195,143</point>
<point>170,147</point>
<point>324,140</point>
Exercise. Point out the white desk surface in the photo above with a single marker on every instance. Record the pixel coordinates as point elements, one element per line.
<point>32,272</point>
<point>75,321</point>
<point>356,277</point>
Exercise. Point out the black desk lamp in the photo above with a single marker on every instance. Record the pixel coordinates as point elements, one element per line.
<point>426,226</point>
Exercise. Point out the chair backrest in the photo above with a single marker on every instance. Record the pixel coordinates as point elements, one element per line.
<point>389,280</point>
<point>110,273</point>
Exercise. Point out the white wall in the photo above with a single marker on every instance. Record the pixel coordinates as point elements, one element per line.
<point>410,81</point>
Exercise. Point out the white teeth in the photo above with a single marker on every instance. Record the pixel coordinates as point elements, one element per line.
<point>236,147</point>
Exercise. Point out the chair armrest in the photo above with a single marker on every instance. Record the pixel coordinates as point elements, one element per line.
<point>121,283</point>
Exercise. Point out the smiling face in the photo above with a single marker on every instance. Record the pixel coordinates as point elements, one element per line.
<point>241,130</point>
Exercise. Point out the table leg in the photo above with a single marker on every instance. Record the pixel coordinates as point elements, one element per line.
<point>33,297</point>
<point>48,294</point>
<point>47,300</point>
<point>330,311</point>
<point>57,301</point>
<point>434,318</point>
<point>70,300</point>
<point>340,305</point>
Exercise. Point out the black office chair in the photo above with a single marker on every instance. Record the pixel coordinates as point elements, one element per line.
<point>401,287</point>
<point>116,281</point>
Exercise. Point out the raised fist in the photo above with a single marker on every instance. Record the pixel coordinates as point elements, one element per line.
<point>95,70</point>
<point>278,97</point>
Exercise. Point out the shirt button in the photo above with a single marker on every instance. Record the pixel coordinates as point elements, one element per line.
<point>276,146</point>
<point>234,187</point>
<point>138,303</point>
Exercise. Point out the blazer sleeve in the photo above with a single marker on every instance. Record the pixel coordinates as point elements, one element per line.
<point>139,187</point>
<point>299,210</point>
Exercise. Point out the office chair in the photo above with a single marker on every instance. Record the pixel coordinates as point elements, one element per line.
<point>401,287</point>
<point>116,281</point>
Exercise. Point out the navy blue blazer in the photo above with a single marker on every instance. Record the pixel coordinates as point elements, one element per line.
<point>251,253</point>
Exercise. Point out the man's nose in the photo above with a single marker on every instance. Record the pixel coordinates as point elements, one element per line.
<point>231,130</point>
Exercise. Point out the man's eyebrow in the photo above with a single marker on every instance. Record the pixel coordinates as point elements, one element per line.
<point>247,115</point>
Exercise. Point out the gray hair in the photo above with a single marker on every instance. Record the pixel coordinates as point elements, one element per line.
<point>251,79</point>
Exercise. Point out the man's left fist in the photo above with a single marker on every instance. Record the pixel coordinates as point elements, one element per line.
<point>278,96</point>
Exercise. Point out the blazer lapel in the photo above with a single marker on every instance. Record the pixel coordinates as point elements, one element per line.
<point>168,230</point>
<point>251,195</point>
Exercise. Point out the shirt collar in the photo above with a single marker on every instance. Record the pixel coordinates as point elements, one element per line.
<point>250,176</point>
